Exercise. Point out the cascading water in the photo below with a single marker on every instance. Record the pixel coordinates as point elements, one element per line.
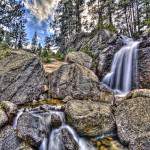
<point>123,67</point>
<point>54,141</point>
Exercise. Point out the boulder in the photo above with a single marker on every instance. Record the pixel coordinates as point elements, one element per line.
<point>31,128</point>
<point>22,77</point>
<point>80,58</point>
<point>68,140</point>
<point>90,118</point>
<point>133,117</point>
<point>144,68</point>
<point>73,80</point>
<point>10,141</point>
<point>78,82</point>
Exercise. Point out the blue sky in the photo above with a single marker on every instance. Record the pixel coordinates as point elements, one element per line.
<point>35,25</point>
<point>38,14</point>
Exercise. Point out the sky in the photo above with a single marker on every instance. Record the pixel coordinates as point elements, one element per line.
<point>39,13</point>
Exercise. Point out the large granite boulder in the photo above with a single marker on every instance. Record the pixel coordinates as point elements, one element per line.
<point>78,82</point>
<point>144,68</point>
<point>73,80</point>
<point>21,77</point>
<point>133,116</point>
<point>10,141</point>
<point>80,58</point>
<point>89,118</point>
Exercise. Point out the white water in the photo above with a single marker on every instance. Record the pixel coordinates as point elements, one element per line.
<point>54,141</point>
<point>120,77</point>
<point>20,112</point>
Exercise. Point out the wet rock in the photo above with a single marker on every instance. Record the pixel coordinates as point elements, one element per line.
<point>22,77</point>
<point>8,139</point>
<point>104,61</point>
<point>55,120</point>
<point>89,118</point>
<point>109,143</point>
<point>80,58</point>
<point>31,128</point>
<point>144,68</point>
<point>3,118</point>
<point>133,118</point>
<point>68,140</point>
<point>73,80</point>
<point>141,143</point>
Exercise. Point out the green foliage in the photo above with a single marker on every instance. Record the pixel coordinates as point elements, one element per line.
<point>59,56</point>
<point>4,50</point>
<point>70,50</point>
<point>110,27</point>
<point>87,50</point>
<point>46,56</point>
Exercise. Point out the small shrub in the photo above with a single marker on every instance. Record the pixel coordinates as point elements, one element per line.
<point>4,50</point>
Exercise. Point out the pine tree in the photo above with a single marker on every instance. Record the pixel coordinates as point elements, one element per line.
<point>12,17</point>
<point>47,42</point>
<point>34,42</point>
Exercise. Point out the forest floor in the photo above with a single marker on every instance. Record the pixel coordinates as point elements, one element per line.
<point>54,65</point>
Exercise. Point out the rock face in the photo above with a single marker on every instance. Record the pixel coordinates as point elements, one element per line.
<point>21,77</point>
<point>144,68</point>
<point>73,80</point>
<point>133,117</point>
<point>79,58</point>
<point>104,61</point>
<point>89,118</point>
<point>94,41</point>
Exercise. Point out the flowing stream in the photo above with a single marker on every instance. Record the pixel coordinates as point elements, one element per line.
<point>54,141</point>
<point>124,67</point>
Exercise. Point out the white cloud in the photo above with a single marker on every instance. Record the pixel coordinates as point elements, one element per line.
<point>42,9</point>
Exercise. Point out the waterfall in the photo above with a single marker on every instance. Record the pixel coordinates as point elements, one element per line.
<point>54,140</point>
<point>20,112</point>
<point>123,68</point>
